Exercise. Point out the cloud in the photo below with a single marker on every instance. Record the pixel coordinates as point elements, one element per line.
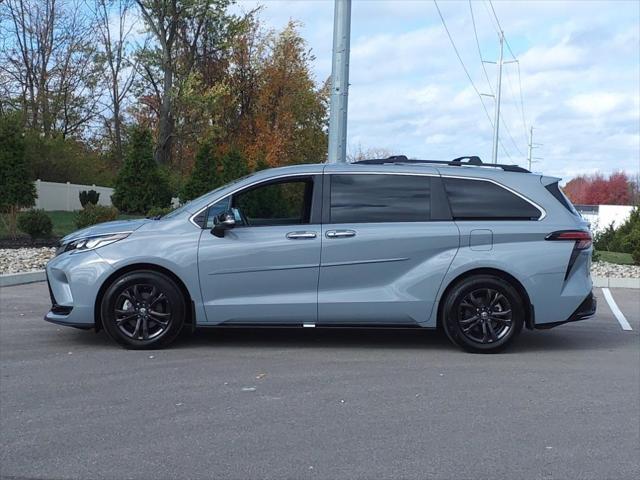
<point>580,65</point>
<point>597,103</point>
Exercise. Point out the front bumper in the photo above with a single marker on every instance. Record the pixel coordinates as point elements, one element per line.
<point>587,309</point>
<point>74,281</point>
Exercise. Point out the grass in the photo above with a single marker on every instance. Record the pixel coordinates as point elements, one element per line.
<point>63,223</point>
<point>616,257</point>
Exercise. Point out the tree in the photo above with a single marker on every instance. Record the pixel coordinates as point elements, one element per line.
<point>120,70</point>
<point>290,112</point>
<point>140,185</point>
<point>203,175</point>
<point>51,65</point>
<point>178,26</point>
<point>596,189</point>
<point>233,166</point>
<point>18,191</point>
<point>368,153</point>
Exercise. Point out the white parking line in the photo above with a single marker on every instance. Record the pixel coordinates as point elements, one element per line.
<point>616,311</point>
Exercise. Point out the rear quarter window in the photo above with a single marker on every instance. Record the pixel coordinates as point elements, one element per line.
<point>554,189</point>
<point>483,200</point>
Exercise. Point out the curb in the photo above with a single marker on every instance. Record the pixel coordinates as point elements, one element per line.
<point>11,279</point>
<point>615,282</point>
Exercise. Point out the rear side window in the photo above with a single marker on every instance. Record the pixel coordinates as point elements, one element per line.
<point>483,200</point>
<point>554,189</point>
<point>373,198</point>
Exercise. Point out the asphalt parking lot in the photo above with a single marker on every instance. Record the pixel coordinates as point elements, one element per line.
<point>318,404</point>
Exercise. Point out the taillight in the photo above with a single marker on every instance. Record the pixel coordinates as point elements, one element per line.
<point>581,237</point>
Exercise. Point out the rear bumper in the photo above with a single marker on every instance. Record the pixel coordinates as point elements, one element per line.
<point>587,309</point>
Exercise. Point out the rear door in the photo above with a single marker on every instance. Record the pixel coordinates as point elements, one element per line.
<point>387,242</point>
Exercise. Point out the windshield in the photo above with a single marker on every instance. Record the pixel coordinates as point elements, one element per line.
<point>186,206</point>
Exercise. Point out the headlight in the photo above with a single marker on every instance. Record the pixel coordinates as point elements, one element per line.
<point>91,243</point>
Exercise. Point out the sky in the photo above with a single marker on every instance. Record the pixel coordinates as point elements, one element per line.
<point>580,75</point>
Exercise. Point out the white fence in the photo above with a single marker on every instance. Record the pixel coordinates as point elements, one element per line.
<point>601,216</point>
<point>65,196</point>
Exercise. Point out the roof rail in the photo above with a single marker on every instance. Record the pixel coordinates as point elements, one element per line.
<point>472,161</point>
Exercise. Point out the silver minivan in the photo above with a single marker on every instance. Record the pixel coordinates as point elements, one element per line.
<point>479,250</point>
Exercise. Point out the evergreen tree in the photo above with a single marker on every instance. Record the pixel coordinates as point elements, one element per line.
<point>140,186</point>
<point>233,166</point>
<point>204,173</point>
<point>16,187</point>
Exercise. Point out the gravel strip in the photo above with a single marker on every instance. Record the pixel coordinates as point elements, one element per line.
<point>606,269</point>
<point>16,260</point>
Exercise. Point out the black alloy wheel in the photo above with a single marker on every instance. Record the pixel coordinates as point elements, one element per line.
<point>143,312</point>
<point>143,309</point>
<point>483,313</point>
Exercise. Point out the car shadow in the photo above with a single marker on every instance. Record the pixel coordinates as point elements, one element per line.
<point>314,338</point>
<point>567,338</point>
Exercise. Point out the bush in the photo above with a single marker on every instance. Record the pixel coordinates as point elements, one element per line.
<point>92,214</point>
<point>158,212</point>
<point>88,197</point>
<point>141,185</point>
<point>35,223</point>
<point>632,244</point>
<point>605,239</point>
<point>17,191</point>
<point>636,255</point>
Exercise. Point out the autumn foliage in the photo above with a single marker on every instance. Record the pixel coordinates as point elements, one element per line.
<point>597,189</point>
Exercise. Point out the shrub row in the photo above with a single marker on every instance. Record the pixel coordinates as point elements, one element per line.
<point>625,238</point>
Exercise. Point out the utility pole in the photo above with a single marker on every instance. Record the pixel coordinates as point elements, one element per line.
<point>530,158</point>
<point>496,119</point>
<point>530,147</point>
<point>339,82</point>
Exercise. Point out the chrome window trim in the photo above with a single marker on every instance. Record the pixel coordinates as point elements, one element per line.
<point>284,175</point>
<point>543,212</point>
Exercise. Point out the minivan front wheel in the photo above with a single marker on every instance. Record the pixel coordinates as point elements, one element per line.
<point>483,313</point>
<point>143,309</point>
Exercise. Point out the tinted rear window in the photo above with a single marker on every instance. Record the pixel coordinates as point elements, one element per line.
<point>375,198</point>
<point>483,200</point>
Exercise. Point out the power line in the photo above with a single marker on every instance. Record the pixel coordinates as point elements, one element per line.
<point>515,105</point>
<point>466,71</point>
<point>493,19</point>
<point>506,42</point>
<point>475,33</point>
<point>524,122</point>
<point>493,10</point>
<point>464,67</point>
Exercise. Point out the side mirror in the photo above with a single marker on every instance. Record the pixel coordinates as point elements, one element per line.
<point>223,222</point>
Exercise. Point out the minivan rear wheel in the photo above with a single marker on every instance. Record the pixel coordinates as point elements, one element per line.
<point>143,309</point>
<point>483,314</point>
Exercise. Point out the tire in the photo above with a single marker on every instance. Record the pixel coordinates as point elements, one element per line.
<point>143,309</point>
<point>483,314</point>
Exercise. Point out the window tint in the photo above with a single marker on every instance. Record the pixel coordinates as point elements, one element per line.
<point>482,200</point>
<point>380,198</point>
<point>554,189</point>
<point>216,209</point>
<point>282,203</point>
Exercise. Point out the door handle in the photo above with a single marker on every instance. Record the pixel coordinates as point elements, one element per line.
<point>340,233</point>
<point>301,235</point>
